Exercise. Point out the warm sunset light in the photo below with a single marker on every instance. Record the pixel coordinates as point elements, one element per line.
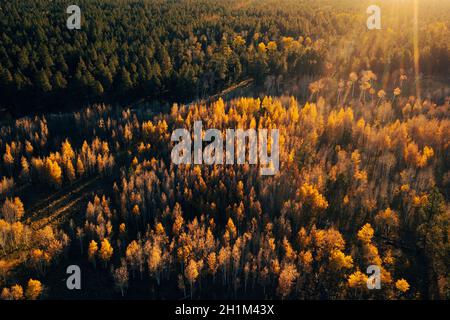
<point>224,157</point>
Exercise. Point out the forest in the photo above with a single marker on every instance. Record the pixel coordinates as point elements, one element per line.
<point>86,176</point>
<point>178,51</point>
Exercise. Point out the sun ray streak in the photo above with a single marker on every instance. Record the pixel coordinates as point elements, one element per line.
<point>416,49</point>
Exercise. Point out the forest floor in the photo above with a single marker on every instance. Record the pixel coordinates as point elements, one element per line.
<point>58,207</point>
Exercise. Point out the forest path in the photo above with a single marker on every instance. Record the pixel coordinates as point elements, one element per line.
<point>52,209</point>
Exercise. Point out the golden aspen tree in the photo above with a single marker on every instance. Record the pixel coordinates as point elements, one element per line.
<point>191,274</point>
<point>70,171</point>
<point>136,211</point>
<point>240,211</point>
<point>80,234</point>
<point>159,229</point>
<point>154,261</point>
<point>54,173</point>
<point>17,292</point>
<point>223,260</point>
<point>105,147</point>
<point>28,148</point>
<point>402,285</point>
<point>357,280</point>
<point>370,251</point>
<point>306,259</point>
<point>311,196</point>
<point>25,172</point>
<point>37,259</point>
<point>353,77</point>
<point>236,256</point>
<point>210,242</point>
<point>339,260</point>
<point>212,264</point>
<point>34,289</point>
<point>100,163</point>
<point>183,253</point>
<point>120,276</point>
<point>20,234</point>
<point>388,222</point>
<point>67,151</point>
<point>134,256</point>
<point>45,236</point>
<point>20,210</point>
<point>8,159</point>
<point>80,167</point>
<point>6,185</point>
<point>12,209</point>
<point>411,154</point>
<point>4,266</point>
<point>389,258</point>
<point>293,110</point>
<point>177,224</point>
<point>5,229</point>
<point>365,234</point>
<point>92,251</point>
<point>6,294</point>
<point>231,228</point>
<point>240,190</point>
<point>141,148</point>
<point>127,134</point>
<point>422,160</point>
<point>106,251</point>
<point>286,280</point>
<point>289,252</point>
<point>275,267</point>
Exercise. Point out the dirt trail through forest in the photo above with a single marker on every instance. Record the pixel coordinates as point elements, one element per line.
<point>52,209</point>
